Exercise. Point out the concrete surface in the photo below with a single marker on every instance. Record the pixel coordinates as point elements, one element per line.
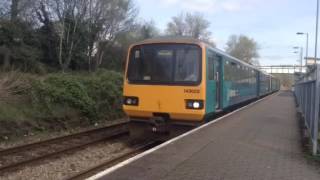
<point>259,142</point>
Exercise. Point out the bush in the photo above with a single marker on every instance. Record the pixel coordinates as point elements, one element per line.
<point>54,102</point>
<point>95,96</point>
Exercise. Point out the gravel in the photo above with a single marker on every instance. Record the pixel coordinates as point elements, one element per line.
<point>67,165</point>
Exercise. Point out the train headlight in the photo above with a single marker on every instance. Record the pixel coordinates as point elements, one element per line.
<point>131,101</point>
<point>194,104</point>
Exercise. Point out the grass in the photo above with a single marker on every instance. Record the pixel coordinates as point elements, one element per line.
<point>13,112</point>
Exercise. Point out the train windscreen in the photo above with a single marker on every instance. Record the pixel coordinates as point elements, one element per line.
<point>165,64</point>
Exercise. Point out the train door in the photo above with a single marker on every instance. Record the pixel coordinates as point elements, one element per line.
<point>218,80</point>
<point>214,82</point>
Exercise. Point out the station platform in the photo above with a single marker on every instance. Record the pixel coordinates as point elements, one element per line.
<point>260,141</point>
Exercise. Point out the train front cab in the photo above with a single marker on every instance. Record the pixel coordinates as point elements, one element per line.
<point>165,83</point>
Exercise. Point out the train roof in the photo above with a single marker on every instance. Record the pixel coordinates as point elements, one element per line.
<point>171,39</point>
<point>190,40</point>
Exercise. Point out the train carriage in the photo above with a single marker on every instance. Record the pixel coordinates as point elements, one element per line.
<point>265,84</point>
<point>183,80</point>
<point>275,84</point>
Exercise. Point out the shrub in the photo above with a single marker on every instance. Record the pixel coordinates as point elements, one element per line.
<point>95,95</point>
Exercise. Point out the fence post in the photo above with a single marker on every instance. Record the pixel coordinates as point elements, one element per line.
<point>316,112</point>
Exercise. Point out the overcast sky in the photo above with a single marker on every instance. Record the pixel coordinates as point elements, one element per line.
<point>272,23</point>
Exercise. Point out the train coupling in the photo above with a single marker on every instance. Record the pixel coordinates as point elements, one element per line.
<point>160,125</point>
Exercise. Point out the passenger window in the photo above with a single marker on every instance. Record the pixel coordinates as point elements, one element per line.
<point>210,66</point>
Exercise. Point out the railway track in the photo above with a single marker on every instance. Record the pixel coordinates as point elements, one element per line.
<point>16,157</point>
<point>134,151</point>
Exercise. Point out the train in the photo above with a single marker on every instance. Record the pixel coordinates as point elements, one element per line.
<point>185,81</point>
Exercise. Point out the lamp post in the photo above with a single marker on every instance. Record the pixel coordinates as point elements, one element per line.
<point>317,94</point>
<point>301,55</point>
<point>307,43</point>
<point>316,40</point>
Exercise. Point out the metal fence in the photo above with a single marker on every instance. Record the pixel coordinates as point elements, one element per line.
<point>307,92</point>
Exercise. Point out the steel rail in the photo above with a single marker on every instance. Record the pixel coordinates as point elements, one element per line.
<point>109,163</point>
<point>18,149</point>
<point>57,139</point>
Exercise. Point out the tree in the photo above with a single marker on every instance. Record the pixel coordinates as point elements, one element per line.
<point>4,8</point>
<point>9,9</point>
<point>192,25</point>
<point>47,35</point>
<point>147,30</point>
<point>115,55</point>
<point>17,10</point>
<point>71,15</point>
<point>178,26</point>
<point>67,34</point>
<point>107,18</point>
<point>14,9</point>
<point>243,48</point>
<point>18,42</point>
<point>19,46</point>
<point>85,28</point>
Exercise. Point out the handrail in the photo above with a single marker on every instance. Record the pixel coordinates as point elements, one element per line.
<point>307,93</point>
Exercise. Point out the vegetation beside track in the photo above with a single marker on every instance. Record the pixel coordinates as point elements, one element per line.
<point>33,104</point>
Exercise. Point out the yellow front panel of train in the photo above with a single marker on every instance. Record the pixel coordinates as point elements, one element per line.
<point>164,99</point>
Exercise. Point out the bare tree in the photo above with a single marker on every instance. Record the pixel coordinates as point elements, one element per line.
<point>17,9</point>
<point>197,26</point>
<point>148,30</point>
<point>243,48</point>
<point>70,14</point>
<point>4,8</point>
<point>177,26</point>
<point>107,18</point>
<point>14,9</point>
<point>73,31</point>
<point>47,33</point>
<point>192,25</point>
